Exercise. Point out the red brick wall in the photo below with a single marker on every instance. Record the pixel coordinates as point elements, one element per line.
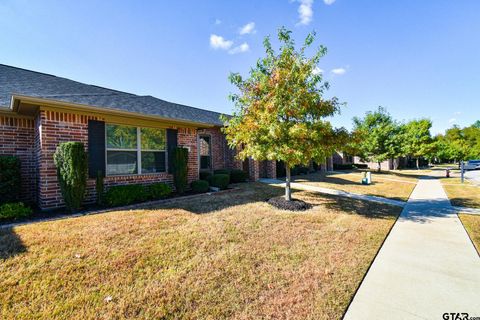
<point>222,155</point>
<point>56,127</point>
<point>17,139</point>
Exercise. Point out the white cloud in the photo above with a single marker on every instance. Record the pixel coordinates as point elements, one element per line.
<point>328,2</point>
<point>457,113</point>
<point>339,71</point>
<point>305,11</point>
<point>218,42</point>
<point>244,47</point>
<point>452,120</point>
<point>217,22</point>
<point>317,70</point>
<point>247,29</point>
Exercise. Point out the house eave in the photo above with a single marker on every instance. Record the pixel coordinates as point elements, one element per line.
<point>18,99</point>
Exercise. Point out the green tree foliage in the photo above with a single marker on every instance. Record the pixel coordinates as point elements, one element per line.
<point>180,163</point>
<point>458,144</point>
<point>377,137</point>
<point>417,140</point>
<point>280,113</point>
<point>72,166</point>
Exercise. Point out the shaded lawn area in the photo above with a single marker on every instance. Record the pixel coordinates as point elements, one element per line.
<point>472,225</point>
<point>351,182</point>
<point>239,259</point>
<point>462,195</point>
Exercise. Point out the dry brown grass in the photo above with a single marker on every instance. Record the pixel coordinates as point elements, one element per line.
<point>384,184</point>
<point>222,256</point>
<point>462,195</point>
<point>472,225</point>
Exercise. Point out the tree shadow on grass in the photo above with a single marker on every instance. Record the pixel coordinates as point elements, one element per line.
<point>364,208</point>
<point>10,244</point>
<point>464,202</point>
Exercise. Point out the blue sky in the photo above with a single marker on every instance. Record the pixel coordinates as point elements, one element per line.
<point>416,58</point>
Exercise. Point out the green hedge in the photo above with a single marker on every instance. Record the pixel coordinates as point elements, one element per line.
<point>158,191</point>
<point>128,194</point>
<point>200,186</point>
<point>204,175</point>
<point>180,170</point>
<point>220,181</point>
<point>343,166</point>
<point>14,211</point>
<point>237,175</point>
<point>9,179</point>
<point>72,169</point>
<point>125,195</point>
<point>222,171</point>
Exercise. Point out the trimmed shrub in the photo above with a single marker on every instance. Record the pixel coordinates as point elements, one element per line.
<point>72,168</point>
<point>361,165</point>
<point>125,194</point>
<point>14,211</point>
<point>9,178</point>
<point>180,162</point>
<point>222,171</point>
<point>220,181</point>
<point>200,186</point>
<point>100,188</point>
<point>204,175</point>
<point>237,175</point>
<point>158,190</point>
<point>343,166</point>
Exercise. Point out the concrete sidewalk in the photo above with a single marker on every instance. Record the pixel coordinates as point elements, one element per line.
<point>426,267</point>
<point>306,187</point>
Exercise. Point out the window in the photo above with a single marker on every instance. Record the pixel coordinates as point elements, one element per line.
<point>132,150</point>
<point>205,153</point>
<point>154,143</point>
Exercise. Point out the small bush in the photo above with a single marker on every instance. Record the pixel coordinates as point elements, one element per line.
<point>9,178</point>
<point>72,168</point>
<point>200,186</point>
<point>220,181</point>
<point>125,195</point>
<point>14,211</point>
<point>361,165</point>
<point>343,166</point>
<point>237,175</point>
<point>204,175</point>
<point>158,190</point>
<point>180,162</point>
<point>222,171</point>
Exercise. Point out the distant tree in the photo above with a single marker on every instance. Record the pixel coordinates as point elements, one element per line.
<point>280,110</point>
<point>476,124</point>
<point>377,137</point>
<point>417,140</point>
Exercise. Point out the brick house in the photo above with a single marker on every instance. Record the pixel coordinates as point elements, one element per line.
<point>127,137</point>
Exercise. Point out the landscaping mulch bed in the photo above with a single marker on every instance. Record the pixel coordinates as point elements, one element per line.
<point>293,205</point>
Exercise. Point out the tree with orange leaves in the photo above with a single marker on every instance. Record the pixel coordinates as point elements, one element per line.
<point>280,113</point>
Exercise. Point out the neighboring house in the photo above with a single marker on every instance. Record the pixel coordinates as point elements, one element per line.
<point>127,137</point>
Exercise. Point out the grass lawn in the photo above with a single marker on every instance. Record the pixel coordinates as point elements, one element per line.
<point>462,195</point>
<point>472,224</point>
<point>388,185</point>
<point>221,256</point>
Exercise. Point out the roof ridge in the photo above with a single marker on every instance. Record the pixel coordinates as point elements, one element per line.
<point>184,105</point>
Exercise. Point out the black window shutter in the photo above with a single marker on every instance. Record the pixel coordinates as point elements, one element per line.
<point>172,142</point>
<point>96,148</point>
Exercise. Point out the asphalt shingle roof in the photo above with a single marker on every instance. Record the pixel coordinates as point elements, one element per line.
<point>40,85</point>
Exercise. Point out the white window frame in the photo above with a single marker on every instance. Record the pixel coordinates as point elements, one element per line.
<point>138,150</point>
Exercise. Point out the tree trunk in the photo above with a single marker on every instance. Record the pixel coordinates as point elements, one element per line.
<point>379,166</point>
<point>418,163</point>
<point>288,191</point>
